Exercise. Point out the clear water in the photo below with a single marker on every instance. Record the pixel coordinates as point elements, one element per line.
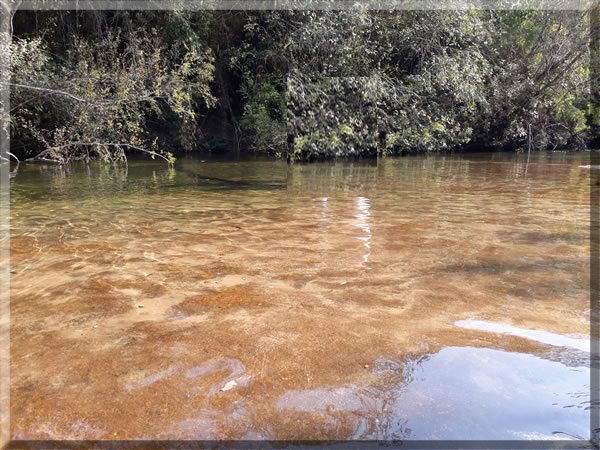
<point>334,295</point>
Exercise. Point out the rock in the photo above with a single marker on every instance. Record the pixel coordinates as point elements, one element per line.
<point>230,385</point>
<point>343,283</point>
<point>140,306</point>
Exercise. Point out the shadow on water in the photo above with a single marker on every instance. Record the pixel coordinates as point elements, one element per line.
<point>227,184</point>
<point>533,238</point>
<point>501,266</point>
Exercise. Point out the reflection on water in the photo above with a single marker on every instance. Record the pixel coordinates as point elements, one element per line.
<point>537,335</point>
<point>255,299</point>
<point>362,216</point>
<point>496,394</point>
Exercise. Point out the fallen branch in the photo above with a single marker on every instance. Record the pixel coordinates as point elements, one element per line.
<point>41,158</point>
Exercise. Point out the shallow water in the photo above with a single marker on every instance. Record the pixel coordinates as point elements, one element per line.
<point>425,297</point>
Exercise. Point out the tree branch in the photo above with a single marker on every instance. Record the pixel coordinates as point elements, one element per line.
<point>8,159</point>
<point>49,91</point>
<point>41,156</point>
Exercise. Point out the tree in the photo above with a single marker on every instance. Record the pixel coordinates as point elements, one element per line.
<point>304,84</point>
<point>540,63</point>
<point>100,95</point>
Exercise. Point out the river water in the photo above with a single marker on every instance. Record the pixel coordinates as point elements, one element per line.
<point>422,297</point>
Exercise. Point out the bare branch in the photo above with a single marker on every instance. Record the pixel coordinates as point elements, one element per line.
<point>49,91</point>
<point>4,159</point>
<point>37,97</point>
<point>41,156</point>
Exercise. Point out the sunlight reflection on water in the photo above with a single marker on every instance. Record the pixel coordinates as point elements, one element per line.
<point>536,335</point>
<point>362,205</point>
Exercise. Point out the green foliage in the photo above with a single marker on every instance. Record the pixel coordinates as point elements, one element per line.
<point>334,116</point>
<point>261,67</point>
<point>417,77</point>
<point>540,62</point>
<point>104,90</point>
<point>312,84</point>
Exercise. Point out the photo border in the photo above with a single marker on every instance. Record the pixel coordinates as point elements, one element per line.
<point>7,7</point>
<point>5,37</point>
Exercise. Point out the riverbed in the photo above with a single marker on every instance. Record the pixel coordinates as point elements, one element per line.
<point>421,297</point>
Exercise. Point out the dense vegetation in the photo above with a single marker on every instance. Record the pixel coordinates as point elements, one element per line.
<point>298,84</point>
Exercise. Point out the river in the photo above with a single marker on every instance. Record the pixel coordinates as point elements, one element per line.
<point>421,297</point>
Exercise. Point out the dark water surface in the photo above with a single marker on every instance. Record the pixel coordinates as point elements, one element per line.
<point>424,297</point>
